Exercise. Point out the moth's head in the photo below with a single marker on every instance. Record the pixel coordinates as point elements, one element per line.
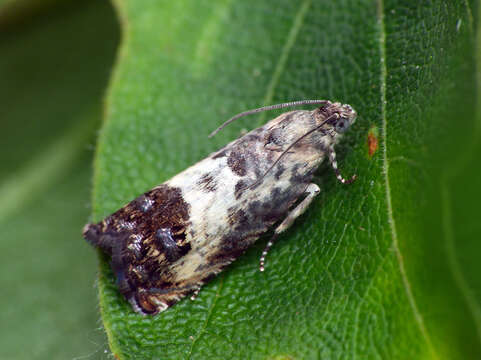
<point>339,117</point>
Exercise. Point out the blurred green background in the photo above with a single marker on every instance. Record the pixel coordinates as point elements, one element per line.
<point>55,63</point>
<point>385,268</point>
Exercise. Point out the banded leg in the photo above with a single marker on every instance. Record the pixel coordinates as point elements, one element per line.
<point>332,160</point>
<point>194,294</point>
<point>312,190</point>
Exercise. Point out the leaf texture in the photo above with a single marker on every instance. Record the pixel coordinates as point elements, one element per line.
<point>378,269</point>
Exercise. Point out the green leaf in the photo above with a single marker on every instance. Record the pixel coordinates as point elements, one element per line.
<point>383,268</point>
<point>54,66</point>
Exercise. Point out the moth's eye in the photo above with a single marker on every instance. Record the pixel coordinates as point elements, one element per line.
<point>342,125</point>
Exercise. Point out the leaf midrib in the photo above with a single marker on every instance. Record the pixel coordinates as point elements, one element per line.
<point>392,224</point>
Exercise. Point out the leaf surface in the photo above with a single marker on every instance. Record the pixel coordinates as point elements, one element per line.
<point>373,269</point>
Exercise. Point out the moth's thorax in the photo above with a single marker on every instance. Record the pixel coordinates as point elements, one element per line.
<point>305,136</point>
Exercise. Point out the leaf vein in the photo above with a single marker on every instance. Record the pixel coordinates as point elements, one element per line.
<point>281,64</point>
<point>392,224</point>
<point>206,322</point>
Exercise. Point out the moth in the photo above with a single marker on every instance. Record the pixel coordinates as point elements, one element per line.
<point>168,242</point>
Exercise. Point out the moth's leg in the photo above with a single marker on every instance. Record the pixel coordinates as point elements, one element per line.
<point>332,160</point>
<point>194,294</point>
<point>312,191</point>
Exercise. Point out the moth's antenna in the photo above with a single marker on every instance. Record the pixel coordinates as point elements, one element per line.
<point>270,107</point>
<point>291,146</point>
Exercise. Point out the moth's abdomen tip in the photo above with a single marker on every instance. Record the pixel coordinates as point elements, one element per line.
<point>86,229</point>
<point>91,233</point>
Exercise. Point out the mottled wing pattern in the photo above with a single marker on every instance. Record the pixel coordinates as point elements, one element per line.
<point>144,238</point>
<point>171,240</point>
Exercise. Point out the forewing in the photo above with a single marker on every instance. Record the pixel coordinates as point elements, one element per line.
<point>144,238</point>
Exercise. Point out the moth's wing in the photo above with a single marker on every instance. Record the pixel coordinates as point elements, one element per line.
<point>144,239</point>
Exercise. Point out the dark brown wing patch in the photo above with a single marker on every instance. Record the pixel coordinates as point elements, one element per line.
<point>144,238</point>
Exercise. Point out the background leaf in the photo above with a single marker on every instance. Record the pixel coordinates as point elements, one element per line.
<point>384,268</point>
<point>54,64</point>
